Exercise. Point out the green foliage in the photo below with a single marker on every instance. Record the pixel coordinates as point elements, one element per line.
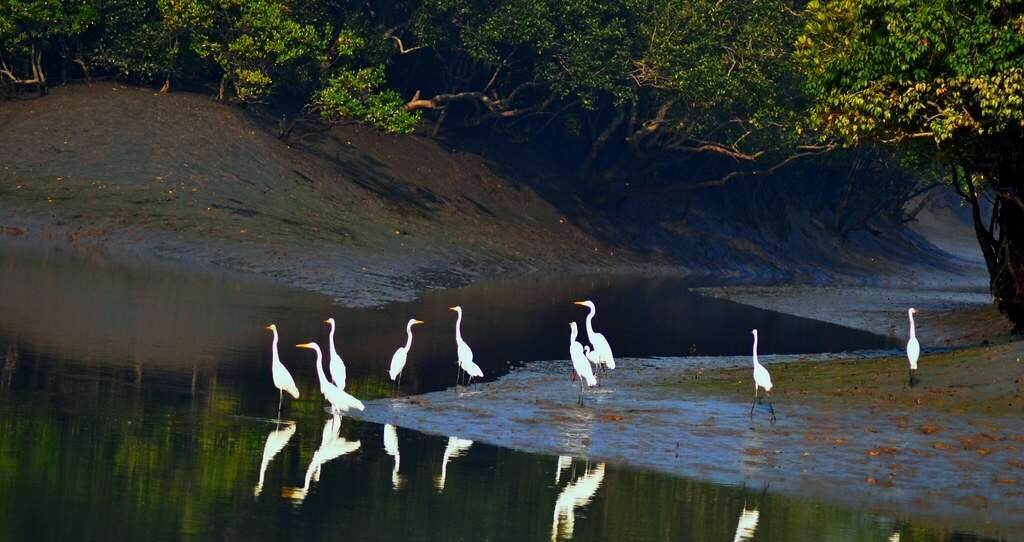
<point>355,94</point>
<point>949,72</point>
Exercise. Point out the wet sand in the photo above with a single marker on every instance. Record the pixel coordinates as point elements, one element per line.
<point>948,450</point>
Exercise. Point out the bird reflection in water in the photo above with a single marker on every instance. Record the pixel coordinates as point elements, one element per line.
<point>391,447</point>
<point>564,462</point>
<point>747,525</point>
<point>332,446</point>
<point>455,448</point>
<point>574,495</point>
<point>276,441</point>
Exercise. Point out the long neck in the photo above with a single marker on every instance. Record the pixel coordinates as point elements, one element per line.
<point>590,321</point>
<point>572,336</point>
<point>408,334</point>
<point>755,350</point>
<point>274,348</point>
<point>458,327</point>
<point>320,368</point>
<point>913,333</point>
<point>330,342</point>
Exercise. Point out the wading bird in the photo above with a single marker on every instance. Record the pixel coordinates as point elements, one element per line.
<point>913,348</point>
<point>761,380</point>
<point>601,351</point>
<point>391,448</point>
<point>276,441</point>
<point>282,378</point>
<point>339,399</point>
<point>465,361</point>
<point>580,364</point>
<point>399,357</point>
<point>455,448</point>
<point>337,366</point>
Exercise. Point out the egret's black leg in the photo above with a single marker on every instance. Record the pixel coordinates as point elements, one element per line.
<point>752,405</point>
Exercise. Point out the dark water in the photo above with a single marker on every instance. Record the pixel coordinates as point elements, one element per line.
<point>164,321</point>
<point>134,405</point>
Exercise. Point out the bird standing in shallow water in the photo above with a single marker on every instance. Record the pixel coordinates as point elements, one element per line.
<point>339,399</point>
<point>337,366</point>
<point>601,351</point>
<point>465,361</point>
<point>399,357</point>
<point>282,378</point>
<point>913,348</point>
<point>580,364</point>
<point>761,380</point>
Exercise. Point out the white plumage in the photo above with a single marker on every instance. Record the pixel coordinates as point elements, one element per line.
<point>601,351</point>
<point>579,359</point>
<point>575,494</point>
<point>283,380</point>
<point>391,448</point>
<point>762,380</point>
<point>455,448</point>
<point>337,366</point>
<point>339,399</point>
<point>913,347</point>
<point>399,357</point>
<point>465,353</point>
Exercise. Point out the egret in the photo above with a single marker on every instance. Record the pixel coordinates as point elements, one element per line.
<point>579,360</point>
<point>276,441</point>
<point>455,448</point>
<point>340,400</point>
<point>337,366</point>
<point>913,347</point>
<point>747,525</point>
<point>761,380</point>
<point>575,494</point>
<point>465,353</point>
<point>601,352</point>
<point>282,378</point>
<point>398,359</point>
<point>391,448</point>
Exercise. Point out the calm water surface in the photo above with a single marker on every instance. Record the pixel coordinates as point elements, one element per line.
<point>134,404</point>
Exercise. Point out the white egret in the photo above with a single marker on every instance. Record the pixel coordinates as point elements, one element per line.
<point>465,360</point>
<point>601,351</point>
<point>340,400</point>
<point>913,347</point>
<point>579,360</point>
<point>564,462</point>
<point>337,366</point>
<point>276,441</point>
<point>747,525</point>
<point>455,448</point>
<point>574,495</point>
<point>399,357</point>
<point>391,448</point>
<point>761,380</point>
<point>282,378</point>
<point>331,447</point>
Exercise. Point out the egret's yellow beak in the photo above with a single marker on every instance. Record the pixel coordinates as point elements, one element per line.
<point>305,345</point>
<point>270,327</point>
<point>452,308</point>
<point>327,321</point>
<point>579,302</point>
<point>418,322</point>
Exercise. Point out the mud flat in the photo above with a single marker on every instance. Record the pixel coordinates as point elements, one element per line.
<point>849,430</point>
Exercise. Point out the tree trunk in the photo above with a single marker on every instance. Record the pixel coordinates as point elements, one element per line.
<point>1007,279</point>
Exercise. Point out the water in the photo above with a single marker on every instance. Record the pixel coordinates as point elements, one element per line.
<point>134,404</point>
<point>148,320</point>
